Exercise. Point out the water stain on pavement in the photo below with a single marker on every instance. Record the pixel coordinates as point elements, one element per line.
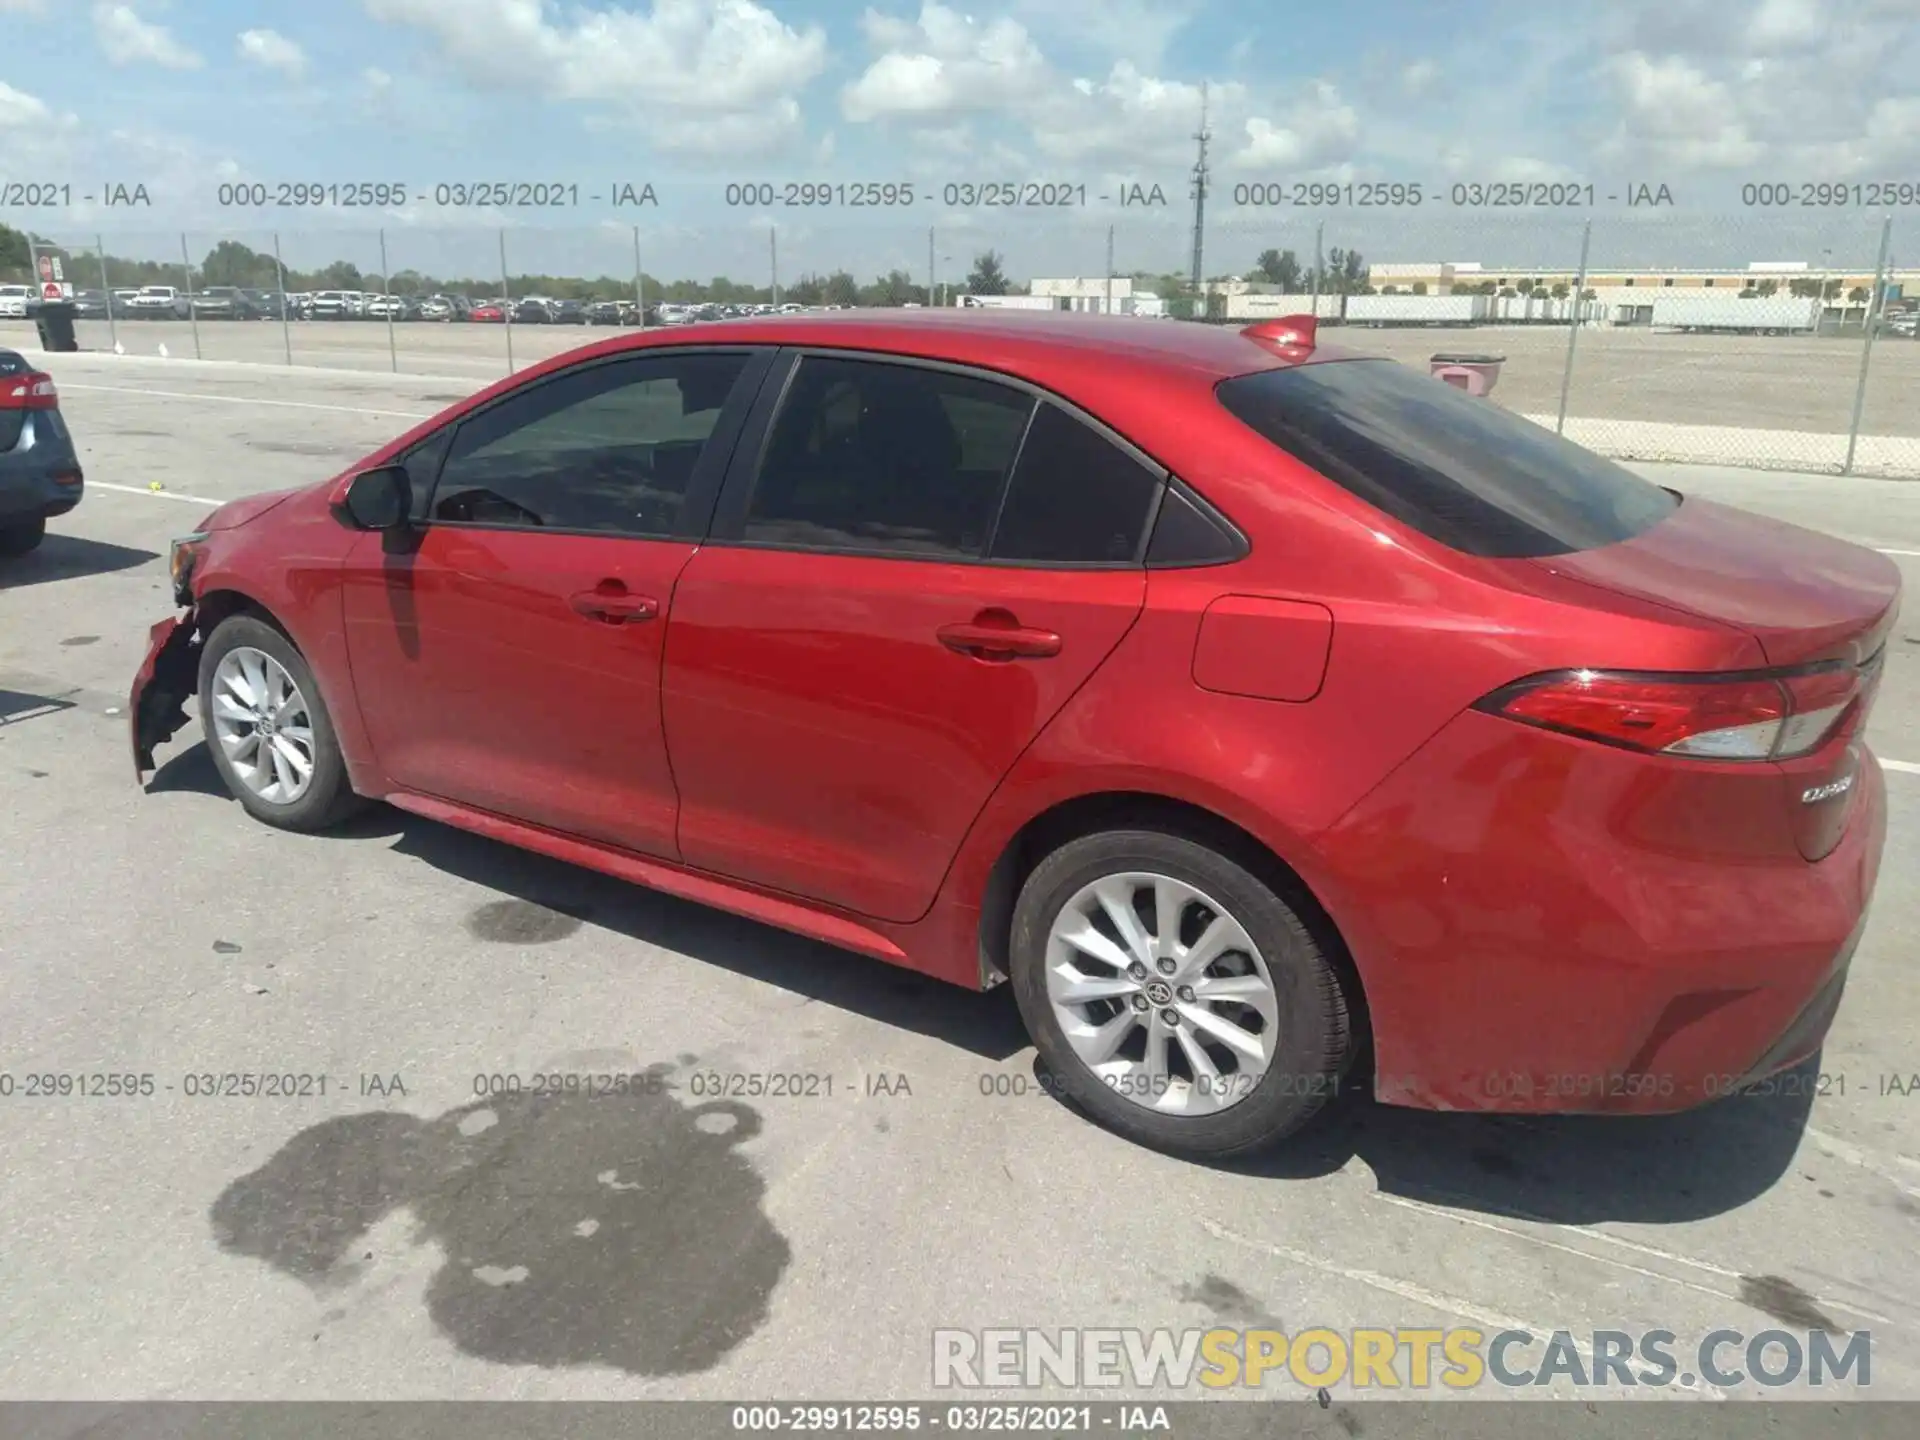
<point>1228,1301</point>
<point>522,922</point>
<point>626,1231</point>
<point>74,640</point>
<point>1785,1302</point>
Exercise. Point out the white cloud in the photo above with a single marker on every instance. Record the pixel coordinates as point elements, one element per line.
<point>19,110</point>
<point>129,40</point>
<point>272,50</point>
<point>1417,78</point>
<point>680,66</point>
<point>1316,132</point>
<point>1679,114</point>
<point>946,64</point>
<point>22,7</point>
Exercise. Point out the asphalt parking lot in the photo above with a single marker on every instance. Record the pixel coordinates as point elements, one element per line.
<point>337,1246</point>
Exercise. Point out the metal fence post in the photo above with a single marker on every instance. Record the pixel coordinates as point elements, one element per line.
<point>1874,301</point>
<point>1573,327</point>
<point>1318,231</point>
<point>773,261</point>
<point>639,280</point>
<point>931,267</point>
<point>280,279</point>
<point>193,318</point>
<point>386,297</point>
<point>106,288</point>
<point>1109,270</point>
<point>506,302</point>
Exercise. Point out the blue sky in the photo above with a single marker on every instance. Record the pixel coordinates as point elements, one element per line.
<point>689,95</point>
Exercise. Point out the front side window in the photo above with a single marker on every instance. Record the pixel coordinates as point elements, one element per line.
<point>1458,468</point>
<point>607,448</point>
<point>892,459</point>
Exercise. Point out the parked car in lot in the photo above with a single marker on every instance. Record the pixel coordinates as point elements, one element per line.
<point>433,307</point>
<point>13,301</point>
<point>383,307</point>
<point>332,305</point>
<point>569,312</point>
<point>533,310</point>
<point>219,302</point>
<point>40,475</point>
<point>488,312</point>
<point>609,312</point>
<point>158,302</point>
<point>1249,705</point>
<point>90,304</point>
<point>122,301</point>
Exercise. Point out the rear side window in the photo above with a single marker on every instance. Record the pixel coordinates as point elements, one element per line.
<point>1462,470</point>
<point>1076,497</point>
<point>891,459</point>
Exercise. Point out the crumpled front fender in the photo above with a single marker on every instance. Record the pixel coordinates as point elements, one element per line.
<point>167,679</point>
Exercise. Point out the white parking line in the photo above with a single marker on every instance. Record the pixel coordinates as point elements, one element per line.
<point>251,400</point>
<point>1905,767</point>
<point>152,494</point>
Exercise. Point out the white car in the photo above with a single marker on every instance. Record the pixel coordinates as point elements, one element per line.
<point>13,301</point>
<point>153,302</point>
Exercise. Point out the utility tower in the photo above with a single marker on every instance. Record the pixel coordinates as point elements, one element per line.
<point>1201,174</point>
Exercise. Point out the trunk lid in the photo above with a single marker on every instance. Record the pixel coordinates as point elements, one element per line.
<point>1802,595</point>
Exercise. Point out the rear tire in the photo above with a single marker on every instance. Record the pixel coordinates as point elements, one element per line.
<point>289,773</point>
<point>19,537</point>
<point>1246,975</point>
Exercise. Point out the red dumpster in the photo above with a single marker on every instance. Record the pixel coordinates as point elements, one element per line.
<point>1474,374</point>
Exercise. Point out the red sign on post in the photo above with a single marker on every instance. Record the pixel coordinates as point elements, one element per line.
<point>51,291</point>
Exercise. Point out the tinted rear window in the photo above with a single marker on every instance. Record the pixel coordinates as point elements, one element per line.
<point>1462,470</point>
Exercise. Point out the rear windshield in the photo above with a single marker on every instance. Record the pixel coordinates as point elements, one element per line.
<point>1466,472</point>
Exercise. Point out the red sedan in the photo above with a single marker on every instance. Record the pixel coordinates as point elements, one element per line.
<point>1255,708</point>
<point>487,314</point>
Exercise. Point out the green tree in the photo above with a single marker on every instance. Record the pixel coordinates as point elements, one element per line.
<point>807,290</point>
<point>1561,290</point>
<point>15,261</point>
<point>1280,267</point>
<point>987,277</point>
<point>231,263</point>
<point>896,287</point>
<point>1419,287</point>
<point>841,289</point>
<point>1769,288</point>
<point>1858,295</point>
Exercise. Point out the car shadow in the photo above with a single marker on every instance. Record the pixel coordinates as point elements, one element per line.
<point>1561,1169</point>
<point>67,557</point>
<point>543,895</point>
<point>986,1025</point>
<point>1568,1170</point>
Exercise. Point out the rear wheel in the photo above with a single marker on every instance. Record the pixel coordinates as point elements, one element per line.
<point>17,537</point>
<point>1174,996</point>
<point>268,728</point>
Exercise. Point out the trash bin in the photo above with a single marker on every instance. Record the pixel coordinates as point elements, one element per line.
<point>54,321</point>
<point>1475,374</point>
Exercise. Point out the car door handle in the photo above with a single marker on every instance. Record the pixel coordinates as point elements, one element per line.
<point>998,636</point>
<point>613,607</point>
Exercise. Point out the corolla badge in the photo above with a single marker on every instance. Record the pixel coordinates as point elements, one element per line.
<point>1832,788</point>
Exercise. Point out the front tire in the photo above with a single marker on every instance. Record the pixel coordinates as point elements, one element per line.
<point>271,737</point>
<point>1174,996</point>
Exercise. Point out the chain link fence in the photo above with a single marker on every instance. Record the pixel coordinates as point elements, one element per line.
<point>1752,340</point>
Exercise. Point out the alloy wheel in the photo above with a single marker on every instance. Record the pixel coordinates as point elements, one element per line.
<point>262,725</point>
<point>1162,993</point>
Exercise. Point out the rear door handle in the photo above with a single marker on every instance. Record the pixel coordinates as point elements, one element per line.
<point>989,637</point>
<point>613,607</point>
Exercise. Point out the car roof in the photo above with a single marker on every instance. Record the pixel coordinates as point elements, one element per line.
<point>1020,341</point>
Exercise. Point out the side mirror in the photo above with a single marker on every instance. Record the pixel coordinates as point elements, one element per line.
<point>380,499</point>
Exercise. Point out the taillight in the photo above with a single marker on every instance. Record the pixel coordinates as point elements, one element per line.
<point>1772,715</point>
<point>31,391</point>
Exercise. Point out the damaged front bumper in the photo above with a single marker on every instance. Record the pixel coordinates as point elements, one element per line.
<point>166,680</point>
